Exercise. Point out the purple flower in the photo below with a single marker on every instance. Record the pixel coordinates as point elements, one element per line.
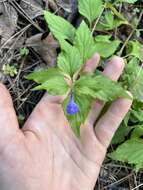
<point>72,107</point>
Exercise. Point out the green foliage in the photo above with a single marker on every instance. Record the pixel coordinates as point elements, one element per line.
<point>43,75</point>
<point>136,49</point>
<point>55,86</point>
<point>130,151</point>
<point>59,26</point>
<point>110,22</point>
<point>24,51</point>
<point>84,41</point>
<point>51,80</point>
<point>78,119</point>
<point>104,46</point>
<point>123,131</point>
<point>99,87</point>
<point>69,60</point>
<point>77,45</point>
<point>9,70</point>
<point>90,9</point>
<point>133,79</point>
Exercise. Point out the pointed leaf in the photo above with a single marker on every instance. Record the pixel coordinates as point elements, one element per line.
<point>105,47</point>
<point>99,87</point>
<point>43,75</point>
<point>90,8</point>
<point>84,41</point>
<point>131,152</point>
<point>69,61</point>
<point>59,26</point>
<point>55,86</point>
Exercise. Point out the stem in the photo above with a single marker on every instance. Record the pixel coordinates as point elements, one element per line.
<point>97,20</point>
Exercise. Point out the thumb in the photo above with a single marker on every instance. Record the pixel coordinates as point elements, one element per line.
<point>8,120</point>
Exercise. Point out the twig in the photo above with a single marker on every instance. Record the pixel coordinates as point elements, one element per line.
<point>97,20</point>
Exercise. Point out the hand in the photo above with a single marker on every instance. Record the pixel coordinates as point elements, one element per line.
<point>45,154</point>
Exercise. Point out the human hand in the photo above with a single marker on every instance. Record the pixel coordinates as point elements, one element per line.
<point>45,154</point>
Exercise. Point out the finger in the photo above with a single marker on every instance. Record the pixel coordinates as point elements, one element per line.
<point>110,121</point>
<point>92,64</point>
<point>113,70</point>
<point>8,120</point>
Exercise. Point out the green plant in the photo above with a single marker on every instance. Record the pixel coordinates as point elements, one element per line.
<point>77,46</point>
<point>9,70</point>
<point>24,51</point>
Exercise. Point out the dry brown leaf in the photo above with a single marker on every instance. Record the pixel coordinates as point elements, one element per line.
<point>8,21</point>
<point>46,47</point>
<point>32,8</point>
<point>65,4</point>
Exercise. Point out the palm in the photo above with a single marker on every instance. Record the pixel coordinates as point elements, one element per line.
<point>46,154</point>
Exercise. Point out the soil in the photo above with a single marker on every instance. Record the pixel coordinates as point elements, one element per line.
<point>22,25</point>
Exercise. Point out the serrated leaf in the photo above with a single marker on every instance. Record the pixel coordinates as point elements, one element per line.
<point>84,41</point>
<point>133,79</point>
<point>69,61</point>
<point>90,9</point>
<point>59,26</point>
<point>137,132</point>
<point>100,87</point>
<point>78,119</point>
<point>131,152</point>
<point>55,86</point>
<point>43,75</point>
<point>103,38</point>
<point>122,131</point>
<point>136,116</point>
<point>104,46</point>
<point>136,49</point>
<point>110,22</point>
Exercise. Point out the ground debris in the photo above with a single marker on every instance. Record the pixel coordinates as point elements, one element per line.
<point>8,21</point>
<point>32,8</point>
<point>45,47</point>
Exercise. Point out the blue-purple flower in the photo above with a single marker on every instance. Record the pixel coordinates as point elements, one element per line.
<point>72,107</point>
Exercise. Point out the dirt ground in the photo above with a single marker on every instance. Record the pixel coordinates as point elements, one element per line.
<point>22,26</point>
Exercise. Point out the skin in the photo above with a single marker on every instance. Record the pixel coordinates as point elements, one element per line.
<point>45,154</point>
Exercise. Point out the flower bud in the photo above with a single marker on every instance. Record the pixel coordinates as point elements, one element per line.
<point>72,107</point>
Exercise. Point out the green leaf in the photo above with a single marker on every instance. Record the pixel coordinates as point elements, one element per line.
<point>104,46</point>
<point>55,86</point>
<point>122,131</point>
<point>69,60</point>
<point>131,152</point>
<point>110,22</point>
<point>100,87</point>
<point>90,9</point>
<point>43,75</point>
<point>78,119</point>
<point>136,49</point>
<point>133,79</point>
<point>84,41</point>
<point>137,132</point>
<point>59,26</point>
<point>136,116</point>
<point>24,51</point>
<point>103,38</point>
